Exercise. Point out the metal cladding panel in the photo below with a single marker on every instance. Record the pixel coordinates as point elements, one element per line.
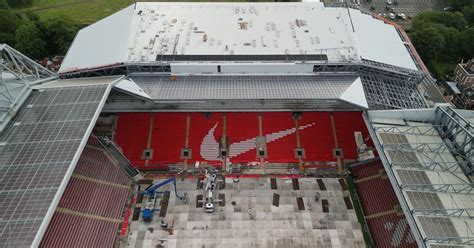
<point>380,42</point>
<point>36,151</point>
<point>100,44</point>
<point>244,87</point>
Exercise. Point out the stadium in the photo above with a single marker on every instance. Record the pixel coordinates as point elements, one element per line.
<point>233,125</point>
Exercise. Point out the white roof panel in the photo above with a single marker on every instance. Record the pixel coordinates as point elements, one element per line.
<point>240,29</point>
<point>380,42</point>
<point>100,44</point>
<point>128,85</point>
<point>143,31</point>
<point>355,94</point>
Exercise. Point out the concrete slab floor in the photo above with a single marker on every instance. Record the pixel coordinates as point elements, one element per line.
<point>249,219</point>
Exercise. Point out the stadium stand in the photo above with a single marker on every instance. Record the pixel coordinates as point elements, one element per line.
<point>172,128</point>
<point>201,125</point>
<point>391,230</point>
<point>388,226</point>
<point>282,150</point>
<point>346,123</point>
<point>425,152</point>
<point>247,127</point>
<point>92,206</point>
<point>374,197</point>
<point>68,230</point>
<point>317,140</point>
<point>370,168</point>
<point>168,136</point>
<point>79,191</point>
<point>47,205</point>
<point>107,170</point>
<point>133,135</point>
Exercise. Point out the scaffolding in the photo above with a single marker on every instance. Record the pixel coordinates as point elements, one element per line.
<point>386,89</point>
<point>17,74</point>
<point>457,131</point>
<point>408,164</point>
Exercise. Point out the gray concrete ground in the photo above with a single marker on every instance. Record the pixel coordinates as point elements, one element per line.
<point>408,7</point>
<point>248,218</point>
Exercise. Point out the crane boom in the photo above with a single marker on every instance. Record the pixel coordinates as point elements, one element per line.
<point>151,190</point>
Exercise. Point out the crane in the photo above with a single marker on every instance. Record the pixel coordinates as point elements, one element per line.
<point>151,191</point>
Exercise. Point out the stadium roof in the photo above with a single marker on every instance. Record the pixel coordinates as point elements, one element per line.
<point>155,32</point>
<point>428,156</point>
<point>346,88</point>
<point>39,149</point>
<point>17,74</point>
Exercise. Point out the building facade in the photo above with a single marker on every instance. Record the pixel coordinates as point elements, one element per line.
<point>464,76</point>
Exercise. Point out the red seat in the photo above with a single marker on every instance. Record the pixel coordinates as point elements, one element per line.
<point>68,230</point>
<point>346,124</point>
<point>377,195</point>
<point>367,170</point>
<point>317,139</point>
<point>90,193</point>
<point>107,171</point>
<point>201,126</point>
<point>280,150</point>
<point>132,135</point>
<point>391,230</point>
<point>94,198</point>
<point>242,127</point>
<point>168,136</point>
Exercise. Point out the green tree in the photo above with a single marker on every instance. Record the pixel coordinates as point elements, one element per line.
<point>32,16</point>
<point>452,49</point>
<point>468,13</point>
<point>8,21</point>
<point>8,24</point>
<point>428,40</point>
<point>58,34</point>
<point>449,19</point>
<point>19,3</point>
<point>467,43</point>
<point>29,42</point>
<point>7,38</point>
<point>4,4</point>
<point>458,4</point>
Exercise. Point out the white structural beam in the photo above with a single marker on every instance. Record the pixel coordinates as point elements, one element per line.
<point>17,74</point>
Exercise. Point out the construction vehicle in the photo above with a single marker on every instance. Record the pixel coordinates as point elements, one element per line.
<point>150,192</point>
<point>210,190</point>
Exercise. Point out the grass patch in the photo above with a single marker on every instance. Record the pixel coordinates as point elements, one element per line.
<point>86,11</point>
<point>360,214</point>
<point>82,11</point>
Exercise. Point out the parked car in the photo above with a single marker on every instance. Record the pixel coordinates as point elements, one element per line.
<point>401,16</point>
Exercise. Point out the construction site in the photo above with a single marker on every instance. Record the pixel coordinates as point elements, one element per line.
<point>167,128</point>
